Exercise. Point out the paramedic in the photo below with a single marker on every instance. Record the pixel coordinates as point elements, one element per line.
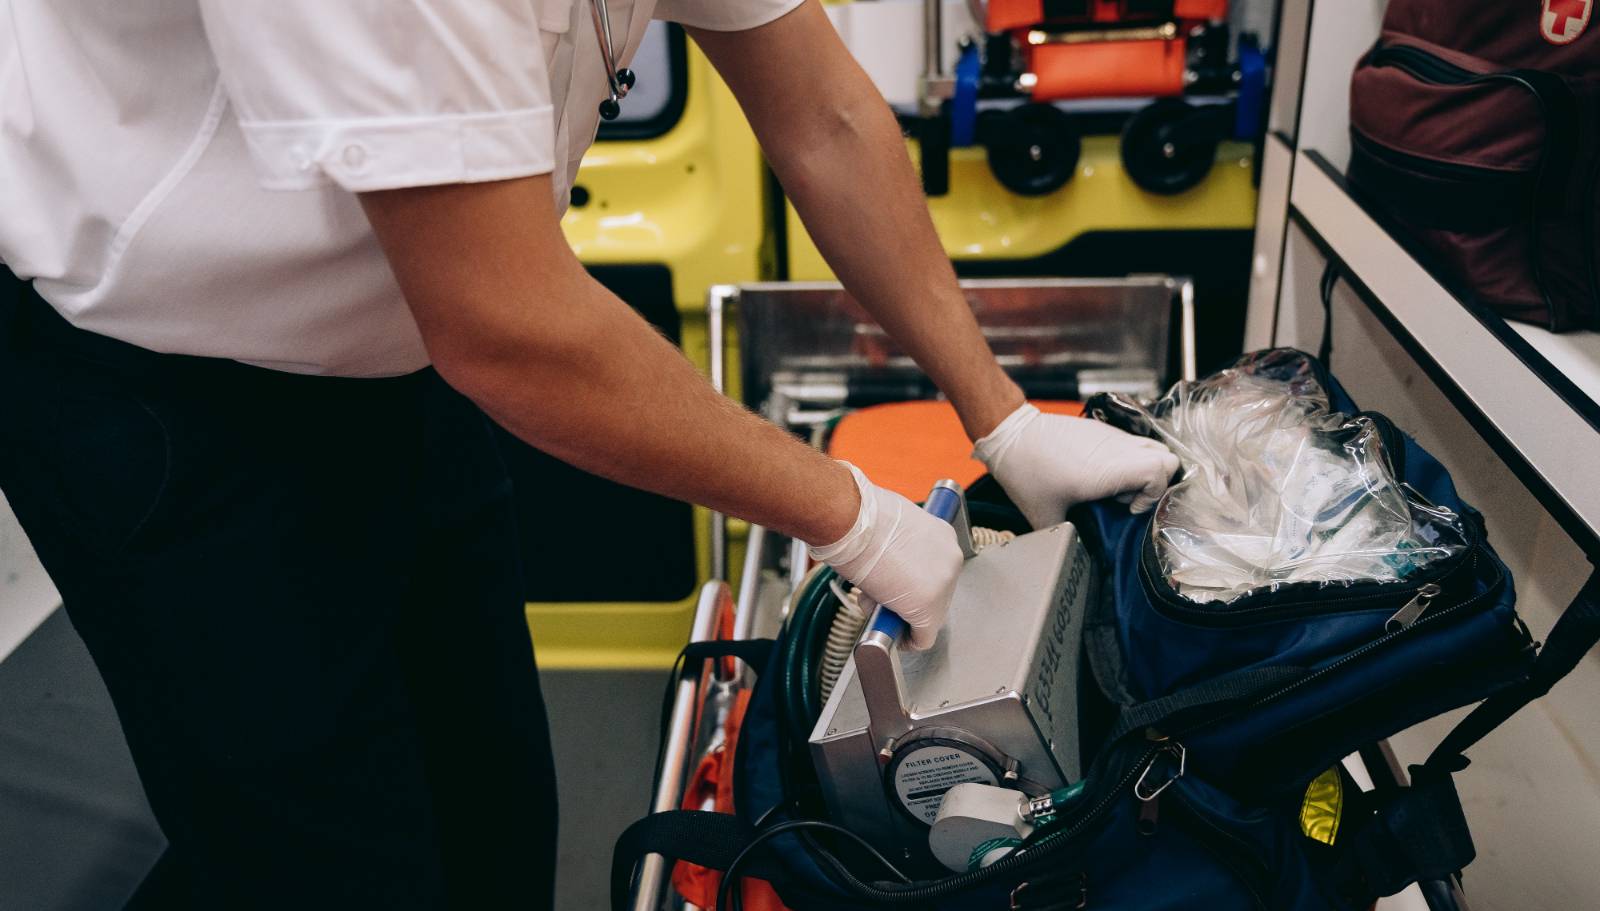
<point>281,259</point>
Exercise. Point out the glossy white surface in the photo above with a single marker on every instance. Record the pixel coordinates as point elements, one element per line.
<point>1575,354</point>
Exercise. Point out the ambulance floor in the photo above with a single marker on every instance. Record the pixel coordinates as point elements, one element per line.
<point>75,831</point>
<point>77,835</point>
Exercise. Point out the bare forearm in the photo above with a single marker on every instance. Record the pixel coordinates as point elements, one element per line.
<point>620,401</point>
<point>870,221</point>
<point>515,323</point>
<point>838,152</point>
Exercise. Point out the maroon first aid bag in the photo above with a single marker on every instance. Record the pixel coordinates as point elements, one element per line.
<point>1475,125</point>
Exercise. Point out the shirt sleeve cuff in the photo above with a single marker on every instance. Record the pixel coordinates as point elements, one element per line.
<point>722,16</point>
<point>393,152</point>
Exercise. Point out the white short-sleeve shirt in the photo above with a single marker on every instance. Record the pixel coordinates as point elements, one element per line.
<point>180,174</point>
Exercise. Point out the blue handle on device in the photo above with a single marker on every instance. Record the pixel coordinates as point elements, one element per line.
<point>944,502</point>
<point>964,103</point>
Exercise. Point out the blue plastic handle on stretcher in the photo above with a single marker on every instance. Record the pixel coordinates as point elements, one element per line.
<point>944,502</point>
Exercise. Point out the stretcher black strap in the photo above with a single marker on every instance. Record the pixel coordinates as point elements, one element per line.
<point>1415,834</point>
<point>709,839</point>
<point>1173,712</point>
<point>753,652</point>
<point>1574,634</point>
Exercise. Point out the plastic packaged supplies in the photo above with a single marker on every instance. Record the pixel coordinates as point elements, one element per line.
<point>1276,488</point>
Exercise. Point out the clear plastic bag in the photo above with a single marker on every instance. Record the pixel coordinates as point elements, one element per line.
<point>1277,488</point>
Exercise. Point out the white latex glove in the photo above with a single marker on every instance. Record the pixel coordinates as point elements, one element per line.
<point>1047,463</point>
<point>901,557</point>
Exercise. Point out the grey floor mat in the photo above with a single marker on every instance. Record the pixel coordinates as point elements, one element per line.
<point>77,835</point>
<point>75,831</point>
<point>604,724</point>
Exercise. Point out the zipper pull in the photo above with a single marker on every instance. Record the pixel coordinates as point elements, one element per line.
<point>1149,787</point>
<point>1149,815</point>
<point>1405,616</point>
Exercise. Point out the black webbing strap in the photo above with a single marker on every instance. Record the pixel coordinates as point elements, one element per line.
<point>754,652</point>
<point>1574,634</point>
<point>1416,833</point>
<point>709,839</point>
<point>1169,713</point>
<point>1330,280</point>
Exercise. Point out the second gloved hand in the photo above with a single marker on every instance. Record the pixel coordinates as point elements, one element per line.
<point>901,557</point>
<point>1048,463</point>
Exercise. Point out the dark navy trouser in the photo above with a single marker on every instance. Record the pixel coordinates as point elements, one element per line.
<point>304,596</point>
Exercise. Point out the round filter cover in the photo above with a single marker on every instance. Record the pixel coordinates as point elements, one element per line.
<point>922,771</point>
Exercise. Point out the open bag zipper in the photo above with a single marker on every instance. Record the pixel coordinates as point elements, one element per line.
<point>1426,585</point>
<point>1435,70</point>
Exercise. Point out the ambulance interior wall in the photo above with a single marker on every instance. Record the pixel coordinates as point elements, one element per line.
<point>1532,794</point>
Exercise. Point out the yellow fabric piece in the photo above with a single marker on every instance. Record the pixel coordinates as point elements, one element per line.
<point>1319,814</point>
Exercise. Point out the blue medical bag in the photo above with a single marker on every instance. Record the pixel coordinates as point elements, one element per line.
<point>1217,739</point>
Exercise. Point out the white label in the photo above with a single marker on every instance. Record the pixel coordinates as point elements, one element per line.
<point>924,775</point>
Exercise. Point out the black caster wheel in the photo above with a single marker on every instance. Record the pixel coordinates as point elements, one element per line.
<point>1033,149</point>
<point>1165,149</point>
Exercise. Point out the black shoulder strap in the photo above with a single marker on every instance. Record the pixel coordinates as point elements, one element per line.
<point>1330,280</point>
<point>1574,634</point>
<point>1174,710</point>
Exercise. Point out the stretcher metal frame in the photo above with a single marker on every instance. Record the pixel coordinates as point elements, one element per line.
<point>702,696</point>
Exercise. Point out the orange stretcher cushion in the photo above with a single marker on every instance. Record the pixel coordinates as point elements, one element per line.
<point>1213,10</point>
<point>1004,15</point>
<point>1113,68</point>
<point>907,446</point>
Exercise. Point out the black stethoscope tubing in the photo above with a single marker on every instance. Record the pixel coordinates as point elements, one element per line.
<point>618,79</point>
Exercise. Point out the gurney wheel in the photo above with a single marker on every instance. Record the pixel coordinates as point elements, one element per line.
<point>1033,149</point>
<point>1163,151</point>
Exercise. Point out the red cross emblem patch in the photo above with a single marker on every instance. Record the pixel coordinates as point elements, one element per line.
<point>1562,21</point>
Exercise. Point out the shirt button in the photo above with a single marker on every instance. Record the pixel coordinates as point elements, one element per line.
<point>354,156</point>
<point>300,155</point>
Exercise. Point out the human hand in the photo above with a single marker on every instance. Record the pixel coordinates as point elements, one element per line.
<point>1048,463</point>
<point>901,557</point>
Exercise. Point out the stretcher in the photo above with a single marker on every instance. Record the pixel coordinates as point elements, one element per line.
<point>811,361</point>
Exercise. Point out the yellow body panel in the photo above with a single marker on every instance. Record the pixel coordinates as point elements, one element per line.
<point>980,219</point>
<point>693,200</point>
